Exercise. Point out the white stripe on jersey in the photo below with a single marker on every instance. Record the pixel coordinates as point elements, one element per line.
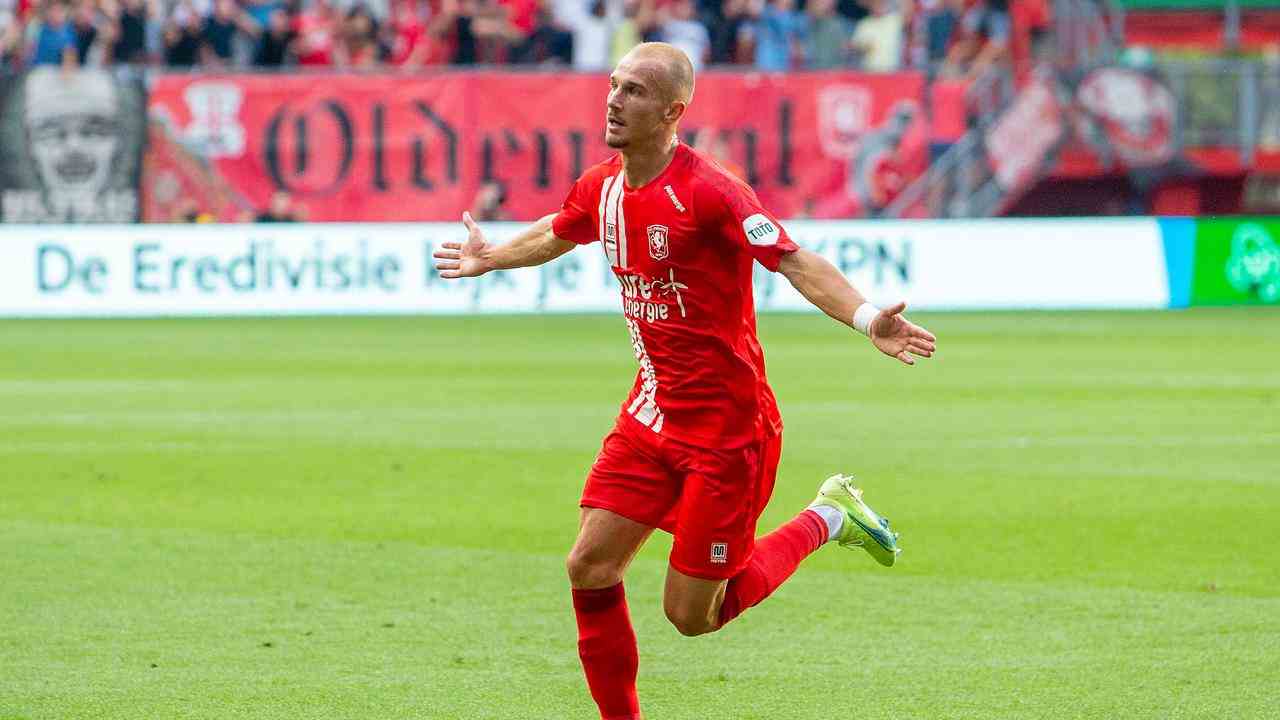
<point>610,248</point>
<point>612,204</point>
<point>622,226</point>
<point>645,407</point>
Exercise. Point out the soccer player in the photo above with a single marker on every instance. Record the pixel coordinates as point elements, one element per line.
<point>696,444</point>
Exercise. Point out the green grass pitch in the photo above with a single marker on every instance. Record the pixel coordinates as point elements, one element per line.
<point>366,518</point>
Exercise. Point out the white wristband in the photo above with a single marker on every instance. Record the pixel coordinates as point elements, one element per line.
<point>863,316</point>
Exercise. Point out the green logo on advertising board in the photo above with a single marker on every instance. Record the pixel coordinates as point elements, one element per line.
<point>1254,265</point>
<point>1237,262</point>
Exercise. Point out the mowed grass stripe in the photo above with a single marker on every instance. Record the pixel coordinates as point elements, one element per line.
<point>273,625</point>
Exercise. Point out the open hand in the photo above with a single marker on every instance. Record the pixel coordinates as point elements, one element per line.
<point>900,338</point>
<point>465,259</point>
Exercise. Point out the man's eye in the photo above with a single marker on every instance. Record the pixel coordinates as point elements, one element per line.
<point>48,132</point>
<point>98,128</point>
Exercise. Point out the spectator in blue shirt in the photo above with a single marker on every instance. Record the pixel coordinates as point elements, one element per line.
<point>56,41</point>
<point>779,29</point>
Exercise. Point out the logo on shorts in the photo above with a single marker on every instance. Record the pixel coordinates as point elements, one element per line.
<point>658,248</point>
<point>719,553</point>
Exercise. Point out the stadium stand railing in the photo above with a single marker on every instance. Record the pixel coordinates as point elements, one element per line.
<point>1225,111</point>
<point>1225,119</point>
<point>1202,24</point>
<point>962,182</point>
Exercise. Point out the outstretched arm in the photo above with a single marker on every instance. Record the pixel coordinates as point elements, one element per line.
<point>536,245</point>
<point>830,291</point>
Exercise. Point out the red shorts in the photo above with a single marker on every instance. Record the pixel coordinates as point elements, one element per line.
<point>708,499</point>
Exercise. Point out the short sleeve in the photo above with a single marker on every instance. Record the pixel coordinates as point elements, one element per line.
<point>741,219</point>
<point>576,221</point>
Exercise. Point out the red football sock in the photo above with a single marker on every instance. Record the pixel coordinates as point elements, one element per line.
<point>776,556</point>
<point>607,646</point>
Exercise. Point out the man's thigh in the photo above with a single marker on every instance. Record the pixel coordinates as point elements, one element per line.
<point>627,494</point>
<point>606,544</point>
<point>631,478</point>
<point>723,494</point>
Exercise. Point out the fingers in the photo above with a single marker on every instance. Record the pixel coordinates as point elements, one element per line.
<point>905,358</point>
<point>920,350</point>
<point>913,329</point>
<point>919,332</point>
<point>448,265</point>
<point>450,274</point>
<point>447,254</point>
<point>922,344</point>
<point>471,224</point>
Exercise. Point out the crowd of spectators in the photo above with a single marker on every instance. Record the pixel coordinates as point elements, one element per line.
<point>956,36</point>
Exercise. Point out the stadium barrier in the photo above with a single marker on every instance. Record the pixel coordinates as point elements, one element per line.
<point>150,270</point>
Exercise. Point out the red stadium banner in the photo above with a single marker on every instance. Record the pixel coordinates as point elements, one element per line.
<point>421,147</point>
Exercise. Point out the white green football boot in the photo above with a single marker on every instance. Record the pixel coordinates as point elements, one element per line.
<point>862,527</point>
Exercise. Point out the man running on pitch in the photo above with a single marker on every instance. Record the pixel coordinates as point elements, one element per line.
<point>696,446</point>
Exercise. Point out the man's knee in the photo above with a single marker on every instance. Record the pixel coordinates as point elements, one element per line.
<point>591,568</point>
<point>688,620</point>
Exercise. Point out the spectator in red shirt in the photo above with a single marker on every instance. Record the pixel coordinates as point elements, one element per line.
<point>522,15</point>
<point>316,29</point>
<point>411,44</point>
<point>1030,27</point>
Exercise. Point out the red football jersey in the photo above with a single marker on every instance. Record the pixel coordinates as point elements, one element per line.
<point>682,247</point>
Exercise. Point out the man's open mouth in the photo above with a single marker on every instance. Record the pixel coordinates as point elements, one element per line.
<point>76,168</point>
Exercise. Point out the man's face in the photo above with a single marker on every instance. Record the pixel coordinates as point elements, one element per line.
<point>279,22</point>
<point>74,151</point>
<point>85,13</point>
<point>636,105</point>
<point>280,203</point>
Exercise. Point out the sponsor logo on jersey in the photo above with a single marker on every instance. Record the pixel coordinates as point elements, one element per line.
<point>674,200</point>
<point>652,300</point>
<point>719,553</point>
<point>761,231</point>
<point>658,249</point>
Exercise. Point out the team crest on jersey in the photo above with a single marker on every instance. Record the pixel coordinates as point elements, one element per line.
<point>658,247</point>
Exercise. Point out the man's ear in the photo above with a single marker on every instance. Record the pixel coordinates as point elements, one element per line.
<point>675,111</point>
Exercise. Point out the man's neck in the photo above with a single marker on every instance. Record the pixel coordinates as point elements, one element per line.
<point>642,165</point>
